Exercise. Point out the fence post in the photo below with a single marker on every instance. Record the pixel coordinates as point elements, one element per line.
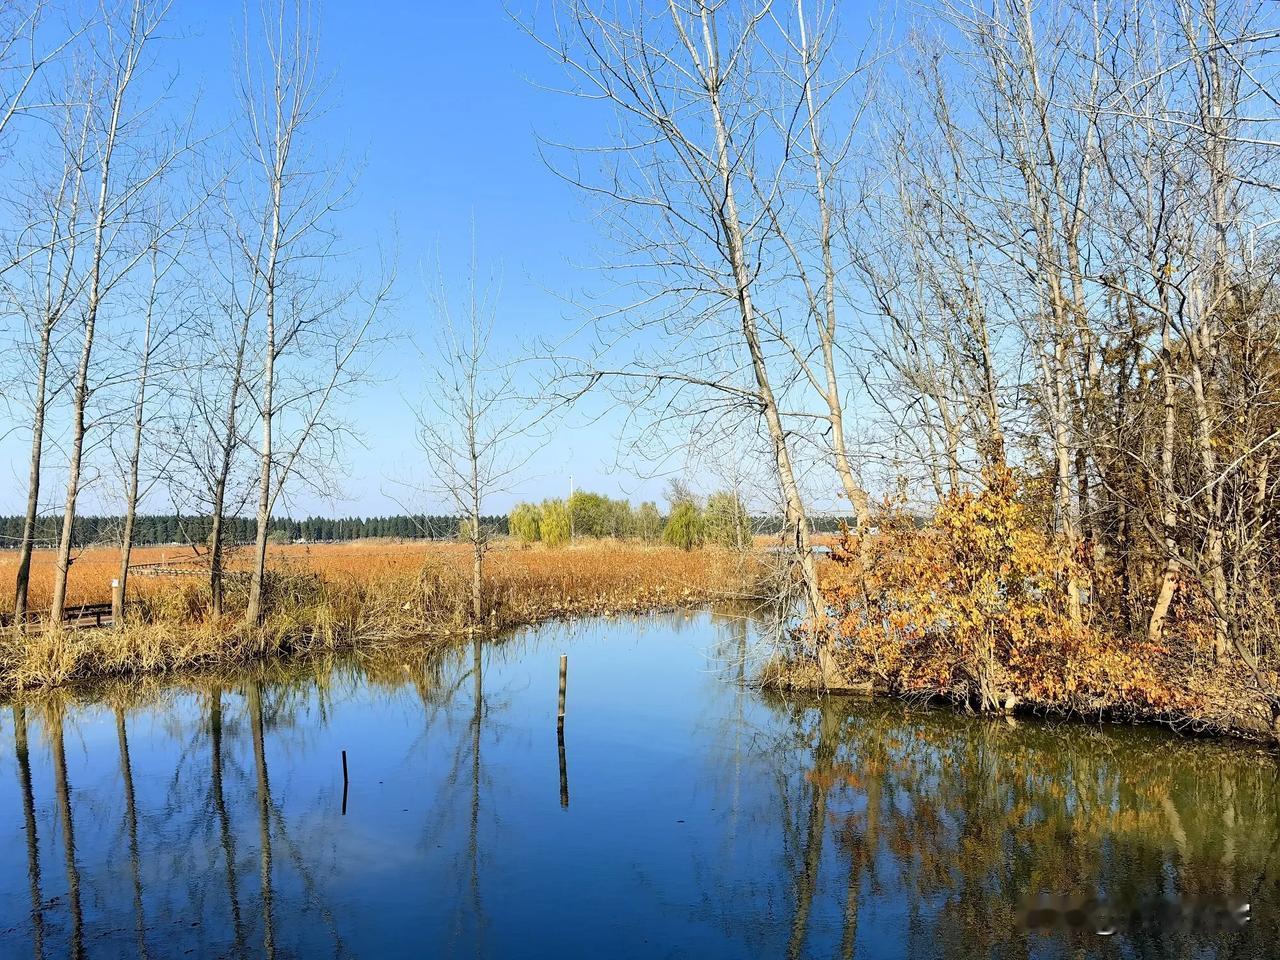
<point>117,604</point>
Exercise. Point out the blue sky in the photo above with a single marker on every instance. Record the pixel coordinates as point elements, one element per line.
<point>434,105</point>
<point>438,106</point>
<point>435,100</point>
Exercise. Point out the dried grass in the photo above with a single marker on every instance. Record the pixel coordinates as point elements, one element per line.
<point>348,596</point>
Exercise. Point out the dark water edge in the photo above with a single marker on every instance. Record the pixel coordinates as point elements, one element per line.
<point>685,814</point>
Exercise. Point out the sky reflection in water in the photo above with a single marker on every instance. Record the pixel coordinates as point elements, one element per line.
<point>694,818</point>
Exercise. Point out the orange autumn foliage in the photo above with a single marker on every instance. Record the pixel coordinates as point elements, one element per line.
<point>973,606</point>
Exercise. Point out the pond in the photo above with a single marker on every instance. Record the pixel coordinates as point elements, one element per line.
<point>687,815</point>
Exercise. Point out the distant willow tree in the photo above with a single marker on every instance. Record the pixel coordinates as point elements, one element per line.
<point>555,523</point>
<point>595,515</point>
<point>525,523</point>
<point>685,527</point>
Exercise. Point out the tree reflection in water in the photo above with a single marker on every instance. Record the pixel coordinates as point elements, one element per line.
<point>709,818</point>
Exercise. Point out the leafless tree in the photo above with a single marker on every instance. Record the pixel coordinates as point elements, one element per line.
<point>475,424</point>
<point>155,360</point>
<point>311,343</point>
<point>43,288</point>
<point>124,166</point>
<point>29,47</point>
<point>690,181</point>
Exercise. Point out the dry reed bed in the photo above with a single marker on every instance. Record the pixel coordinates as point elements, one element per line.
<point>361,596</point>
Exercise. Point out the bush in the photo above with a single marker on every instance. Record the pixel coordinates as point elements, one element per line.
<point>973,607</point>
<point>684,527</point>
<point>554,527</point>
<point>525,523</point>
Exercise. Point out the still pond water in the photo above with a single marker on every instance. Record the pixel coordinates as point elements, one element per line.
<point>688,816</point>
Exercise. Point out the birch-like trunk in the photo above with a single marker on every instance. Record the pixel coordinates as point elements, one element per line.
<point>25,548</point>
<point>796,521</point>
<point>135,459</point>
<point>125,67</point>
<point>254,611</point>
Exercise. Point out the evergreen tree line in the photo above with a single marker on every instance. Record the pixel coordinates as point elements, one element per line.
<point>173,528</point>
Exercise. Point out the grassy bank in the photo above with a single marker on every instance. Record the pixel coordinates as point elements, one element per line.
<point>346,597</point>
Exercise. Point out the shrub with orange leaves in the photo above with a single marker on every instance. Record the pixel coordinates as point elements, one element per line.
<point>974,606</point>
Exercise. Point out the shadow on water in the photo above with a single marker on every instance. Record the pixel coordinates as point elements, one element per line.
<point>708,819</point>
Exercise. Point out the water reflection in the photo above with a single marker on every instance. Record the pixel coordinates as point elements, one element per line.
<point>23,757</point>
<point>708,819</point>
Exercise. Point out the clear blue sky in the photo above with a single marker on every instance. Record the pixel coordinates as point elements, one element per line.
<point>438,104</point>
<point>434,104</point>
<point>437,100</point>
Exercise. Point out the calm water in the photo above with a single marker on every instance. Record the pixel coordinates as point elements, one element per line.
<point>689,816</point>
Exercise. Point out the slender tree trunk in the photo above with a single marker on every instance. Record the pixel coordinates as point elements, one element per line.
<point>93,303</point>
<point>477,544</point>
<point>797,527</point>
<point>253,614</point>
<point>228,448</point>
<point>62,565</point>
<point>25,548</point>
<point>1168,508</point>
<point>135,458</point>
<point>215,550</point>
<point>1214,533</point>
<point>853,490</point>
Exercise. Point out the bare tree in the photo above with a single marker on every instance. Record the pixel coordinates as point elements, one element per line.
<point>160,326</point>
<point>48,219</point>
<point>43,289</point>
<point>808,225</point>
<point>686,179</point>
<point>475,423</point>
<point>207,434</point>
<point>120,180</point>
<point>285,237</point>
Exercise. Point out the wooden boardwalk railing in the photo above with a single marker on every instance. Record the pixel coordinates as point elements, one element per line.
<point>80,615</point>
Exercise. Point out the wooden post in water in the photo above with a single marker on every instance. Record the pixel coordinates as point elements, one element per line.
<point>117,604</point>
<point>344,783</point>
<point>564,679</point>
